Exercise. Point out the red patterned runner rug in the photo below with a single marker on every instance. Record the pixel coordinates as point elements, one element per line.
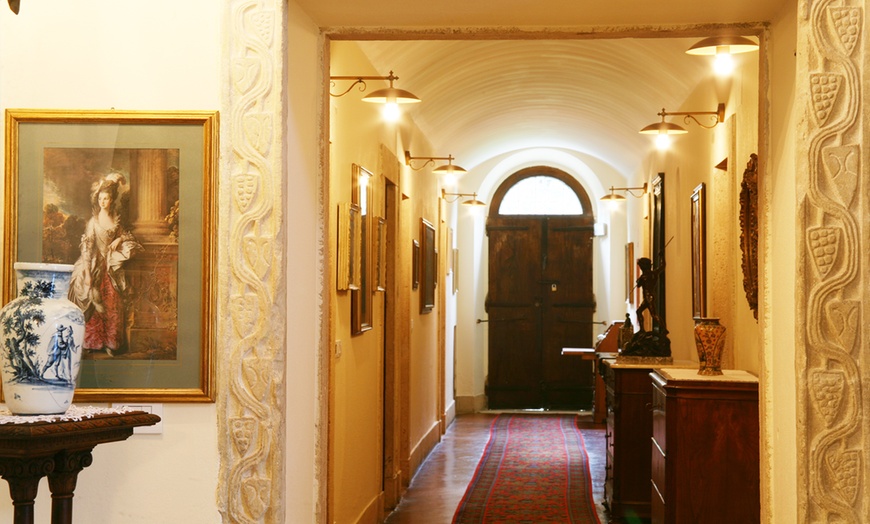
<point>534,469</point>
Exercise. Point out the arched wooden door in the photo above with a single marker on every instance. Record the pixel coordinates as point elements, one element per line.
<point>540,295</point>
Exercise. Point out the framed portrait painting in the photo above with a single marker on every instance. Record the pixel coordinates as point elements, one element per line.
<point>128,198</point>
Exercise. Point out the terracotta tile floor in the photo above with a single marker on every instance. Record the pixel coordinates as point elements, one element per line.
<point>438,487</point>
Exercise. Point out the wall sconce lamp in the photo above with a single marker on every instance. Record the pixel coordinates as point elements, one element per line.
<point>447,169</point>
<point>723,47</point>
<point>663,130</point>
<point>614,197</point>
<point>456,196</point>
<point>391,96</point>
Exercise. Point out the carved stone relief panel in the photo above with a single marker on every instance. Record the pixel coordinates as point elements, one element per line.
<point>251,411</point>
<point>832,273</point>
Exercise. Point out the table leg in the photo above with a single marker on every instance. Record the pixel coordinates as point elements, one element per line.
<point>23,475</point>
<point>62,482</point>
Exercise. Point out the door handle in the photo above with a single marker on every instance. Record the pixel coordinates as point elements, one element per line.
<point>482,320</point>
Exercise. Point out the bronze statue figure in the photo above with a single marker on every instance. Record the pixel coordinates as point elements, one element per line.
<point>648,282</point>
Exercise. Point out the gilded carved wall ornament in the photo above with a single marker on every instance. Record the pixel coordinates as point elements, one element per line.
<point>749,231</point>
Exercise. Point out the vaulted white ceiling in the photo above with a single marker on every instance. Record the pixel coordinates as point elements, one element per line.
<point>485,98</point>
<point>488,90</point>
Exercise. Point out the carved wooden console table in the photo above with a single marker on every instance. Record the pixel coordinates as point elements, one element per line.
<point>58,447</point>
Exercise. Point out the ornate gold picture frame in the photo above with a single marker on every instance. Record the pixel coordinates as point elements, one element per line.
<point>155,175</point>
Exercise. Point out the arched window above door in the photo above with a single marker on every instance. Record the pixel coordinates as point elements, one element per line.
<point>539,191</point>
<point>540,195</point>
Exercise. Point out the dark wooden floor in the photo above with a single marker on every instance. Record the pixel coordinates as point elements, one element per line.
<point>438,487</point>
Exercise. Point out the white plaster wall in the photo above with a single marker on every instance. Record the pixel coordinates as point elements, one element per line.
<point>777,255</point>
<point>137,54</point>
<point>303,262</point>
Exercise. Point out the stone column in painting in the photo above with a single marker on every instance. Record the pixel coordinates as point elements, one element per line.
<point>149,191</point>
<point>153,274</point>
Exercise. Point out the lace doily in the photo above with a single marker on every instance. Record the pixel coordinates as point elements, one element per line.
<point>74,412</point>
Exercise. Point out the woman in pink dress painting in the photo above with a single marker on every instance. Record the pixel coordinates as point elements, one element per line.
<point>98,284</point>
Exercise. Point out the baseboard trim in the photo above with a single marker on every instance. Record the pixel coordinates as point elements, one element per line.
<point>449,415</point>
<point>472,404</point>
<point>425,446</point>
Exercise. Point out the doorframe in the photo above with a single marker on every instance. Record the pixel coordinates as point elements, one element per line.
<point>395,388</point>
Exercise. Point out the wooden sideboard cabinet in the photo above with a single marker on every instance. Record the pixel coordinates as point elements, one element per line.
<point>704,447</point>
<point>629,429</point>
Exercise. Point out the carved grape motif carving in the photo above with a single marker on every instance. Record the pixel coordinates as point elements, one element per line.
<point>825,87</point>
<point>845,467</point>
<point>827,391</point>
<point>243,432</point>
<point>847,23</point>
<point>824,243</point>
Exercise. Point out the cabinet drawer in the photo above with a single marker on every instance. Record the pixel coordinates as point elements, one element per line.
<point>658,471</point>
<point>658,418</point>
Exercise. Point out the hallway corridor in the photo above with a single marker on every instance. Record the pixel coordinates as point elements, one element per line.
<point>437,489</point>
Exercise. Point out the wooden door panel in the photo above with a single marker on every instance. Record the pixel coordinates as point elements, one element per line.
<point>568,311</point>
<point>569,380</point>
<point>514,379</point>
<point>514,250</point>
<point>513,310</point>
<point>569,260</point>
<point>540,266</point>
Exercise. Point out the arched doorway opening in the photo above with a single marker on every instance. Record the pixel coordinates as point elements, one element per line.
<point>540,297</point>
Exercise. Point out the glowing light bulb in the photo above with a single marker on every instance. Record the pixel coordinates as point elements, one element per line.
<point>663,141</point>
<point>723,64</point>
<point>391,112</point>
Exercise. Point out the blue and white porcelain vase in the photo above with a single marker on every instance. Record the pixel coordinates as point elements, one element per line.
<point>41,334</point>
